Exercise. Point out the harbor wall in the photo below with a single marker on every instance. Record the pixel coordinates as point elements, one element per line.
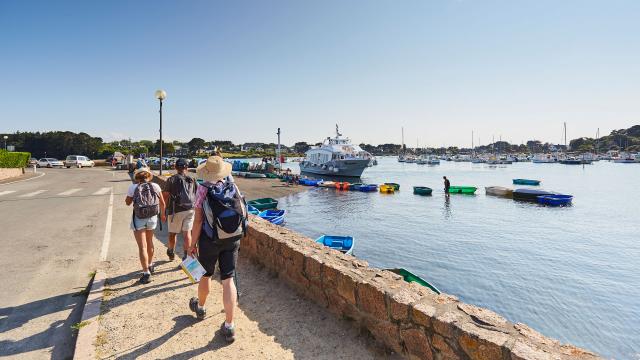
<point>405,318</point>
<point>7,173</point>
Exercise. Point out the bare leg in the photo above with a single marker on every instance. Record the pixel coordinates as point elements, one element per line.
<point>142,249</point>
<point>172,241</point>
<point>203,289</point>
<point>229,298</point>
<point>186,235</point>
<point>150,249</point>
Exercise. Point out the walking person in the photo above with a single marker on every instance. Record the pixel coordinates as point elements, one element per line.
<point>179,194</point>
<point>220,223</point>
<point>148,205</point>
<point>131,167</point>
<point>447,185</point>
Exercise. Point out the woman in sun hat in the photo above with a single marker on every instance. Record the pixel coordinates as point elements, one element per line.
<point>212,245</point>
<point>147,205</point>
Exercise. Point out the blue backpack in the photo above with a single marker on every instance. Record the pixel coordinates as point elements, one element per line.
<point>225,212</point>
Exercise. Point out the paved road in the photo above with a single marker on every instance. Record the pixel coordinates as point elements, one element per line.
<point>51,231</point>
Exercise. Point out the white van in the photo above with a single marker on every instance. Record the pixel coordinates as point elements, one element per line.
<point>78,161</point>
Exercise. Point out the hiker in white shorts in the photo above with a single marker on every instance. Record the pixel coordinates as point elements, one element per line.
<point>179,193</point>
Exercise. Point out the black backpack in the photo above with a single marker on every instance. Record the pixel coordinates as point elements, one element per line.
<point>225,213</point>
<point>183,190</point>
<point>146,201</point>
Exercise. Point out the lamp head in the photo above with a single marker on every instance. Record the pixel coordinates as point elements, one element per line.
<point>161,95</point>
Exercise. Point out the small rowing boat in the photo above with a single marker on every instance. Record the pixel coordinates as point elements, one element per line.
<point>410,277</point>
<point>342,185</point>
<point>264,203</point>
<point>369,188</point>
<point>327,184</point>
<point>526,182</point>
<point>355,186</point>
<point>530,195</point>
<point>422,190</point>
<point>462,190</point>
<point>396,187</point>
<point>499,191</point>
<point>273,216</point>
<point>341,243</point>
<point>252,210</point>
<point>555,200</point>
<point>387,189</point>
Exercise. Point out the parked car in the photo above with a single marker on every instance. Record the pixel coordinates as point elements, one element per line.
<point>33,161</point>
<point>78,161</point>
<point>50,163</point>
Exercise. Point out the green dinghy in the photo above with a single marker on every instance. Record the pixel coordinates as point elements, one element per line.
<point>462,190</point>
<point>410,277</point>
<point>422,190</point>
<point>264,203</point>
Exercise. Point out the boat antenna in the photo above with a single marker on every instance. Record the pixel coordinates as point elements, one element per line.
<point>279,153</point>
<point>337,131</point>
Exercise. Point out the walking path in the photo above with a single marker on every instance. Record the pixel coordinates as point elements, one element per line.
<point>154,322</point>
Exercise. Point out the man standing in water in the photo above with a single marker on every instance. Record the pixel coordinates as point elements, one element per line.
<point>446,185</point>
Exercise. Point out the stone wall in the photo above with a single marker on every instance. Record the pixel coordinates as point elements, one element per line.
<point>406,318</point>
<point>6,173</point>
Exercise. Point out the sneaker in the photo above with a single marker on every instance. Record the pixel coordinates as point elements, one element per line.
<point>229,334</point>
<point>193,305</point>
<point>152,268</point>
<point>145,279</point>
<point>171,254</point>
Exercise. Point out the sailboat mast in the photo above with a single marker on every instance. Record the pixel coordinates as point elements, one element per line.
<point>402,149</point>
<point>473,148</point>
<point>597,140</point>
<point>565,137</point>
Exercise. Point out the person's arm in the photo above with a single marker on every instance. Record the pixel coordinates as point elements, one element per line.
<point>163,214</point>
<point>128,200</point>
<point>195,232</point>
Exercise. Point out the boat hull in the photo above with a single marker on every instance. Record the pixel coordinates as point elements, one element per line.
<point>462,190</point>
<point>499,191</point>
<point>529,195</point>
<point>422,190</point>
<point>350,168</point>
<point>264,204</point>
<point>526,182</point>
<point>343,244</point>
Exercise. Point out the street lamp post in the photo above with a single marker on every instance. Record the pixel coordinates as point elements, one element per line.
<point>5,142</point>
<point>161,95</point>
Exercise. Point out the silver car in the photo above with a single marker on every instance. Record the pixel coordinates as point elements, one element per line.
<point>50,163</point>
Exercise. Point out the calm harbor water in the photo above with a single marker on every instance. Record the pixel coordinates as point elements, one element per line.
<point>571,273</point>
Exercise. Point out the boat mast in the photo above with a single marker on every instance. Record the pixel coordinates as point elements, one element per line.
<point>565,137</point>
<point>597,140</point>
<point>278,155</point>
<point>402,149</point>
<point>473,148</point>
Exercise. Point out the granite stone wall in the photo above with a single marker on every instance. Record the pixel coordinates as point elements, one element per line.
<point>406,318</point>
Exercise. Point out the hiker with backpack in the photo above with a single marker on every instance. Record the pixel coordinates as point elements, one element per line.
<point>148,204</point>
<point>180,195</point>
<point>220,223</point>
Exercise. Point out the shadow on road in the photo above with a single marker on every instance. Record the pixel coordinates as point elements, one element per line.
<point>59,335</point>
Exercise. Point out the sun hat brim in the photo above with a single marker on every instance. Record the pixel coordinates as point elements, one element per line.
<point>145,170</point>
<point>214,169</point>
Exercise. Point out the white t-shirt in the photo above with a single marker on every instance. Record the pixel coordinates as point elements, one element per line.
<point>132,189</point>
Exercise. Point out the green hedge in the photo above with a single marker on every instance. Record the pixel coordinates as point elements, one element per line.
<point>13,159</point>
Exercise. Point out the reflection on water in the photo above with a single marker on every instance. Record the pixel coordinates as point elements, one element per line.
<point>572,273</point>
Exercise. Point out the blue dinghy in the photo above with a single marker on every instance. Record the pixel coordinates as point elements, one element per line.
<point>342,243</point>
<point>526,182</point>
<point>555,200</point>
<point>368,188</point>
<point>252,210</point>
<point>273,216</point>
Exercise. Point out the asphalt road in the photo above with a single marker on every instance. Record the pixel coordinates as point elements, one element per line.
<point>52,230</point>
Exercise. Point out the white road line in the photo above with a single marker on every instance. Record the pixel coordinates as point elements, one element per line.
<point>6,192</point>
<point>17,181</point>
<point>70,191</point>
<point>102,191</point>
<point>31,194</point>
<point>107,230</point>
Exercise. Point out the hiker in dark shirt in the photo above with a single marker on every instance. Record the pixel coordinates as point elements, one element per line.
<point>180,194</point>
<point>447,185</point>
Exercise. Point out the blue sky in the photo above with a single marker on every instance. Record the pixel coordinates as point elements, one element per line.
<point>239,69</point>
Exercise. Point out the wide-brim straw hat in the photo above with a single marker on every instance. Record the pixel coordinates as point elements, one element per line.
<point>144,170</point>
<point>214,169</point>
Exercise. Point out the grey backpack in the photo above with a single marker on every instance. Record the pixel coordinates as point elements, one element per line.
<point>146,201</point>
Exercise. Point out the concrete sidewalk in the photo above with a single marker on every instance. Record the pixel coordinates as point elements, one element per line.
<point>154,322</point>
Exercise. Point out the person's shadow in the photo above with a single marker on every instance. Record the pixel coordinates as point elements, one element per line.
<point>181,322</point>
